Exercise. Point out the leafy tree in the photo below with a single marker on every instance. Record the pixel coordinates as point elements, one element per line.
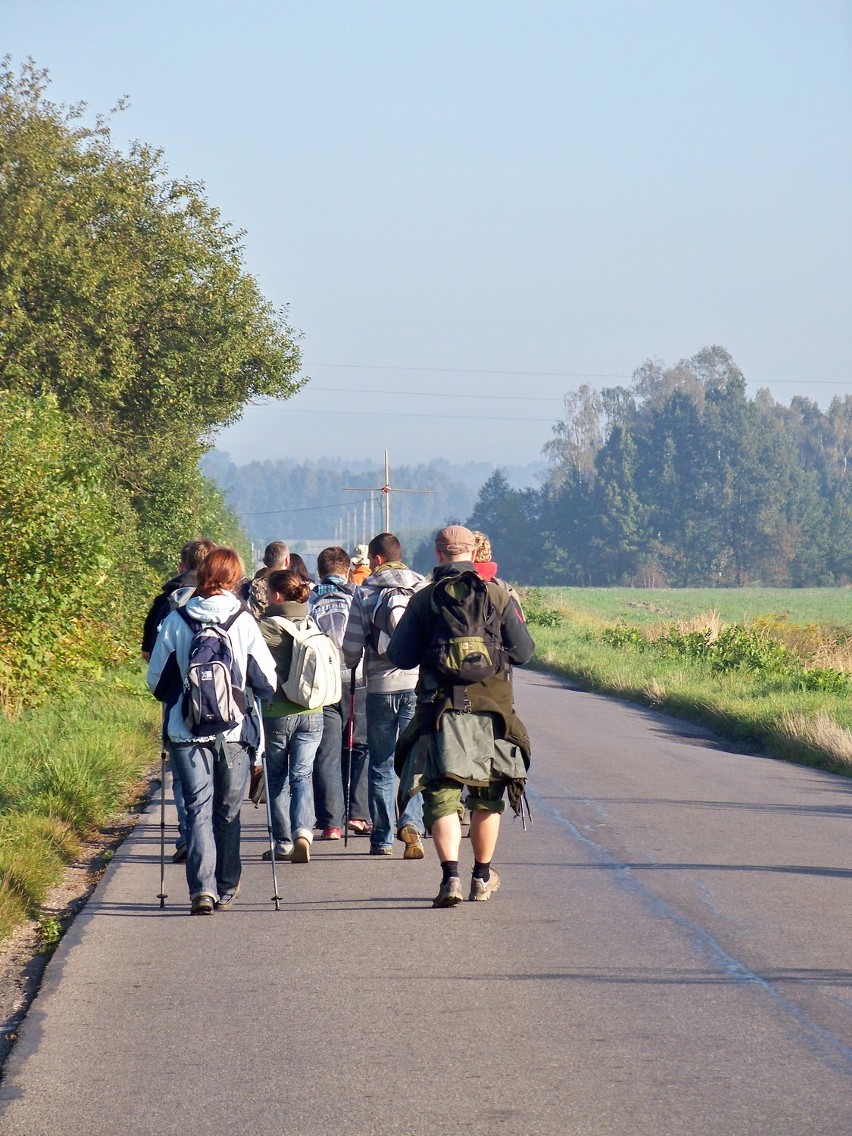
<point>123,294</point>
<point>129,334</point>
<point>684,475</point>
<point>618,536</point>
<point>509,518</point>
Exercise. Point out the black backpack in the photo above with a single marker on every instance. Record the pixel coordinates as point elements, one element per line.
<point>467,642</point>
<point>213,703</point>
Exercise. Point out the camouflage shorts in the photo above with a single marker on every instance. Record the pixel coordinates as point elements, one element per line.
<point>444,797</point>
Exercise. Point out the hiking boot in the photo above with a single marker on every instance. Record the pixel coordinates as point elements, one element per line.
<point>449,893</point>
<point>480,890</point>
<point>179,854</point>
<point>280,853</point>
<point>381,850</point>
<point>331,834</point>
<point>360,827</point>
<point>410,837</point>
<point>202,904</point>
<point>301,850</point>
<point>227,898</point>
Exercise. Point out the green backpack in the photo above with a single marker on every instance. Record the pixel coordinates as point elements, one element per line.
<point>466,645</point>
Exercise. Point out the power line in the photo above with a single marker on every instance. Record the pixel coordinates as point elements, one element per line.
<point>545,374</point>
<point>468,371</point>
<point>405,414</point>
<point>426,394</point>
<point>307,509</point>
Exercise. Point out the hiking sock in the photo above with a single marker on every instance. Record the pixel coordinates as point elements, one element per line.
<point>482,871</point>
<point>450,868</point>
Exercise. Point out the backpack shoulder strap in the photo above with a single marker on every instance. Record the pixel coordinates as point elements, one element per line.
<point>500,593</point>
<point>191,623</point>
<point>292,627</point>
<point>226,626</point>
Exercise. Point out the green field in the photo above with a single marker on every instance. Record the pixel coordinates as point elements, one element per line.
<point>826,607</point>
<point>771,668</point>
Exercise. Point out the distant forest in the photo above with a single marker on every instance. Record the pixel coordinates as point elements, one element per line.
<point>681,479</point>
<point>298,501</point>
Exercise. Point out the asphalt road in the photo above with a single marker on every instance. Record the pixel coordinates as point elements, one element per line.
<point>669,954</point>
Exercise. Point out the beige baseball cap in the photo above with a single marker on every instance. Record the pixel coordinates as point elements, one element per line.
<point>455,539</point>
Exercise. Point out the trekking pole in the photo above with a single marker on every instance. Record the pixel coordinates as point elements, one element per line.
<point>350,746</point>
<point>162,896</point>
<point>525,802</point>
<point>276,898</point>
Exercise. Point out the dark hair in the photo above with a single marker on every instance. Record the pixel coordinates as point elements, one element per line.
<point>333,561</point>
<point>276,554</point>
<point>220,571</point>
<point>385,545</point>
<point>194,552</point>
<point>298,566</point>
<point>289,585</point>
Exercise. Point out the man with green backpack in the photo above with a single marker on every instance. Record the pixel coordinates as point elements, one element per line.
<point>465,634</point>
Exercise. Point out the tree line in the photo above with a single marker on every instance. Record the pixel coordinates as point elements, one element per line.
<point>129,334</point>
<point>680,479</point>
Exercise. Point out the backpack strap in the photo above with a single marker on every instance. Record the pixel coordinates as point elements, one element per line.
<point>291,625</point>
<point>232,619</point>
<point>191,623</point>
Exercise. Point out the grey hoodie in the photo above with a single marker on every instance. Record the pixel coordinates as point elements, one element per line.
<point>382,677</point>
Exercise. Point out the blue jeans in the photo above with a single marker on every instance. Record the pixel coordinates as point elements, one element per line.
<point>328,784</point>
<point>291,746</point>
<point>177,793</point>
<point>214,781</point>
<point>387,717</point>
<point>331,768</point>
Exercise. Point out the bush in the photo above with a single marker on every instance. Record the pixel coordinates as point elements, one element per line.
<point>624,636</point>
<point>535,611</point>
<point>825,679</point>
<point>65,610</point>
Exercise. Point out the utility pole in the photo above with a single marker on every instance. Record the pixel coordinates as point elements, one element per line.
<point>386,491</point>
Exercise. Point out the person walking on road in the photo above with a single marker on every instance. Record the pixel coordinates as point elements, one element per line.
<point>276,557</point>
<point>463,735</point>
<point>390,690</point>
<point>330,601</point>
<point>176,591</point>
<point>191,556</point>
<point>360,564</point>
<point>214,770</point>
<point>293,732</point>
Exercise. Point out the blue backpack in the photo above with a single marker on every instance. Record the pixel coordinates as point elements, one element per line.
<point>213,702</point>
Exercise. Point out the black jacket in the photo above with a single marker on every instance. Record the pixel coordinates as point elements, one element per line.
<point>412,636</point>
<point>161,607</point>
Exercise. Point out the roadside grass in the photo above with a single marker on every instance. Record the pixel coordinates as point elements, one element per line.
<point>67,768</point>
<point>770,668</point>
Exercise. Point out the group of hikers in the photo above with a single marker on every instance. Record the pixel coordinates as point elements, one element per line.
<point>375,701</point>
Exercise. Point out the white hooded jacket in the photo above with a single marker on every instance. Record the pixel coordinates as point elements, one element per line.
<point>253,664</point>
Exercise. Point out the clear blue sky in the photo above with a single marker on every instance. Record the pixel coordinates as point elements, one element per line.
<point>444,191</point>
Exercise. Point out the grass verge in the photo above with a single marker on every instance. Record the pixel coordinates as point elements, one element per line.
<point>778,686</point>
<point>67,768</point>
